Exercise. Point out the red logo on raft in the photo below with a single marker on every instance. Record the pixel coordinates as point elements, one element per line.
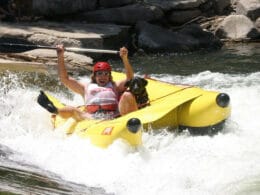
<point>107,131</point>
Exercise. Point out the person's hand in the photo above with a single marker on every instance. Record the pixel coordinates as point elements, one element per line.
<point>60,49</point>
<point>123,52</point>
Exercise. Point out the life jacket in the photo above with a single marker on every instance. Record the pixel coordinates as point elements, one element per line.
<point>98,98</point>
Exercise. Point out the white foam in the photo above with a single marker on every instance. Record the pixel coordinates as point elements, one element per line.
<point>167,163</point>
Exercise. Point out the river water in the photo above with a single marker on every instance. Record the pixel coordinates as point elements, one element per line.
<point>35,159</point>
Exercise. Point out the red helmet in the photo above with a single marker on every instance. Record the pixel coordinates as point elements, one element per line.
<point>102,66</point>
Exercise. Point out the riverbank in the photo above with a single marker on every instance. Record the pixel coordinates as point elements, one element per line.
<point>151,25</point>
<point>146,27</point>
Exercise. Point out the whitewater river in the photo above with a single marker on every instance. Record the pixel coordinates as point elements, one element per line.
<point>35,159</point>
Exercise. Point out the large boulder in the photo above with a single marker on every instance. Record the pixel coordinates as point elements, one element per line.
<point>183,16</point>
<point>154,38</point>
<point>106,36</point>
<point>167,5</point>
<point>215,7</point>
<point>61,7</point>
<point>117,3</point>
<point>126,15</point>
<point>236,27</point>
<point>249,8</point>
<point>221,5</point>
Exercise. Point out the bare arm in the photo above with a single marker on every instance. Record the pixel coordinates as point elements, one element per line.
<point>64,77</point>
<point>128,69</point>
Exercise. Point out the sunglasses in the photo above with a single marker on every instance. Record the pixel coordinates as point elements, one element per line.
<point>102,73</point>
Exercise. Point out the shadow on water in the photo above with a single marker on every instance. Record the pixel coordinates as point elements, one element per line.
<point>17,178</point>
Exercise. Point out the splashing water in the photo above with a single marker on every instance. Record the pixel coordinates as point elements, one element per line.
<point>167,163</point>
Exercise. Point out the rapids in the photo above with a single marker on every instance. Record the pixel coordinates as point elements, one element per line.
<point>167,163</point>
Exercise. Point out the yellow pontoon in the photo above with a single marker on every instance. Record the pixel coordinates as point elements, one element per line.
<point>172,106</point>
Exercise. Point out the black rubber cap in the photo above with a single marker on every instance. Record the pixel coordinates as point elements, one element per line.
<point>223,100</point>
<point>133,125</point>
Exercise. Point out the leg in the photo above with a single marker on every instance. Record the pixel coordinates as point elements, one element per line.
<point>65,112</point>
<point>69,111</point>
<point>127,103</point>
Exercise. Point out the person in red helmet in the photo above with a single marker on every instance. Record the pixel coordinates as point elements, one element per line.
<point>103,97</point>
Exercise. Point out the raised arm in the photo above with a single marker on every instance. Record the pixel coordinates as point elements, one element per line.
<point>128,68</point>
<point>64,77</point>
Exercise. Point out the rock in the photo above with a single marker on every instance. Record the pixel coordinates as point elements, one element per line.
<point>234,2</point>
<point>157,39</point>
<point>58,7</point>
<point>190,9</point>
<point>116,18</point>
<point>71,35</point>
<point>118,3</point>
<point>257,24</point>
<point>73,61</point>
<point>220,5</point>
<point>167,5</point>
<point>126,15</point>
<point>207,8</point>
<point>215,7</point>
<point>236,27</point>
<point>202,38</point>
<point>183,16</point>
<point>249,8</point>
<point>70,57</point>
<point>24,8</point>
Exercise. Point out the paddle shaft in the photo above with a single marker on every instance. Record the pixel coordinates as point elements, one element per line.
<point>72,49</point>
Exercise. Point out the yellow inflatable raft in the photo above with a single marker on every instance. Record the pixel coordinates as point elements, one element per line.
<point>172,106</point>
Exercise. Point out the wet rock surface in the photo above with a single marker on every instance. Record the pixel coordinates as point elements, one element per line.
<point>149,26</point>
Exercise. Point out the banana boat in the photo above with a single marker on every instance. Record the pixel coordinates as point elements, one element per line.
<point>202,112</point>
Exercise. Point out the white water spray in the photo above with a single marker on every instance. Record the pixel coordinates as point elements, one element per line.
<point>167,163</point>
